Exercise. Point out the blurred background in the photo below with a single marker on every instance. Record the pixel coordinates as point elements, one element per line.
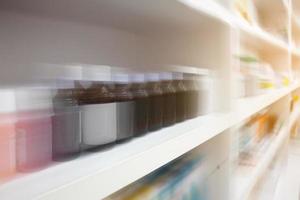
<point>150,100</point>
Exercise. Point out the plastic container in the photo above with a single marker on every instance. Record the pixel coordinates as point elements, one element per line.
<point>66,120</point>
<point>7,134</point>
<point>125,105</point>
<point>33,128</point>
<point>98,107</point>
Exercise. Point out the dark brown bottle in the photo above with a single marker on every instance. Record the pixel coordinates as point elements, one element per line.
<point>180,97</point>
<point>141,99</point>
<point>169,99</point>
<point>192,96</point>
<point>65,125</point>
<point>125,106</point>
<point>156,102</point>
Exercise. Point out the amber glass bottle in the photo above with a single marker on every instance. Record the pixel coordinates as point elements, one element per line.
<point>169,99</point>
<point>181,102</point>
<point>141,99</point>
<point>156,102</point>
<point>192,96</point>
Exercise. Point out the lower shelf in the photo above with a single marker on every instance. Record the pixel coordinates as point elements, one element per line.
<point>97,175</point>
<point>247,177</point>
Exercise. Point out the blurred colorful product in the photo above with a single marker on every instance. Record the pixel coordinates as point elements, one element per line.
<point>33,129</point>
<point>7,135</point>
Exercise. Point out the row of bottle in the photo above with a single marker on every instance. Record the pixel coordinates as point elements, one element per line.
<point>98,109</point>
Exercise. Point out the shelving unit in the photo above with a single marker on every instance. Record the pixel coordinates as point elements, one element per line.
<point>97,170</point>
<point>247,182</point>
<point>143,34</point>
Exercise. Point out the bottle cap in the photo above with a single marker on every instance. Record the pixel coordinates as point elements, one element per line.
<point>7,101</point>
<point>152,77</point>
<point>178,76</point>
<point>33,98</point>
<point>138,78</point>
<point>96,73</point>
<point>121,78</point>
<point>166,76</point>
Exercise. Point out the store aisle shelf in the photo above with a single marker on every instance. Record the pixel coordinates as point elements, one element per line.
<point>131,15</point>
<point>249,32</point>
<point>93,176</point>
<point>246,180</point>
<point>144,15</point>
<point>248,106</point>
<point>259,37</point>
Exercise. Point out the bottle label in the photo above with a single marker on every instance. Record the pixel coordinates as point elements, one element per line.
<point>125,119</point>
<point>98,123</point>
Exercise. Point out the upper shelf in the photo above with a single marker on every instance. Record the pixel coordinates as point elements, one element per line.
<point>260,39</point>
<point>132,15</point>
<point>144,15</point>
<point>255,35</point>
<point>93,176</point>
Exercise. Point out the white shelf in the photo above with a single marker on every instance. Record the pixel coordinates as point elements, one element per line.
<point>252,33</point>
<point>262,39</point>
<point>144,15</point>
<point>248,106</point>
<point>132,15</point>
<point>246,181</point>
<point>123,27</point>
<point>97,175</point>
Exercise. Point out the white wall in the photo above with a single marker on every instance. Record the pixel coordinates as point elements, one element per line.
<point>26,40</point>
